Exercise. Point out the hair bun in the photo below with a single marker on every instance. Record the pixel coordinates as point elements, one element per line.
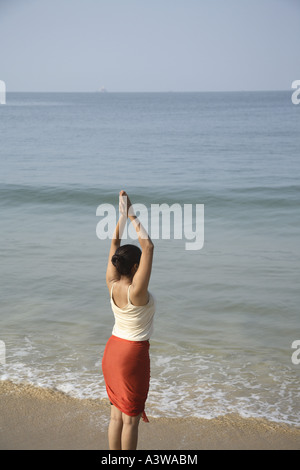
<point>125,258</point>
<point>116,259</point>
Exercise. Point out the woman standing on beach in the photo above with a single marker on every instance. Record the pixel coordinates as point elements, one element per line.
<point>126,362</point>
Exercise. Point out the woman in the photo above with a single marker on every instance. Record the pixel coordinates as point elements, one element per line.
<point>126,362</point>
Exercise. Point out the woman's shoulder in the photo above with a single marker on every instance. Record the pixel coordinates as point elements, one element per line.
<point>140,299</point>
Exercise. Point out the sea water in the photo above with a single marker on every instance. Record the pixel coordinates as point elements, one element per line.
<point>227,315</point>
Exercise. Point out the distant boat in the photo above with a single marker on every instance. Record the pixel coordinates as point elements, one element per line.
<point>102,90</point>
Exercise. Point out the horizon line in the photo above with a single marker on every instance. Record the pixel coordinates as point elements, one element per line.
<point>99,92</point>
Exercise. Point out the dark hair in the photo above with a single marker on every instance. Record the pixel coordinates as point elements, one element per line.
<point>125,258</point>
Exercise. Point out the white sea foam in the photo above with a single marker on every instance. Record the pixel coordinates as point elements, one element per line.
<point>181,385</point>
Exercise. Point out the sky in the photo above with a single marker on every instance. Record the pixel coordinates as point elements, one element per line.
<point>149,45</point>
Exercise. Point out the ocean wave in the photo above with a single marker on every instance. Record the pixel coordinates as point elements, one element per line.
<point>12,194</point>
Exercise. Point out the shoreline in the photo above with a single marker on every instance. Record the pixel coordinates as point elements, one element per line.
<point>33,418</point>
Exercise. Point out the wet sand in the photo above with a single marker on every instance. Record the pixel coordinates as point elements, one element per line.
<point>33,418</point>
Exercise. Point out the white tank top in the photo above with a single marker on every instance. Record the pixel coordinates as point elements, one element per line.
<point>134,323</point>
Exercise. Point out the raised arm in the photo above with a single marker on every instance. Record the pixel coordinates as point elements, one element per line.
<point>139,289</point>
<point>111,272</point>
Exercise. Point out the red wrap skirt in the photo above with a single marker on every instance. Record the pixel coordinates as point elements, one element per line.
<point>126,371</point>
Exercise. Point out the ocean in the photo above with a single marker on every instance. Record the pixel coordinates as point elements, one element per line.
<point>227,314</point>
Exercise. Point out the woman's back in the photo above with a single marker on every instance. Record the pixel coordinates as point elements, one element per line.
<point>132,322</point>
<point>121,294</point>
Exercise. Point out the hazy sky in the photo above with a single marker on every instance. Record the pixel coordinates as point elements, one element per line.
<point>149,45</point>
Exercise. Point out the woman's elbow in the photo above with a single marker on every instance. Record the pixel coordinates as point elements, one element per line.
<point>150,245</point>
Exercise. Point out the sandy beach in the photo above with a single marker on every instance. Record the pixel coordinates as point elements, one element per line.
<point>33,418</point>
